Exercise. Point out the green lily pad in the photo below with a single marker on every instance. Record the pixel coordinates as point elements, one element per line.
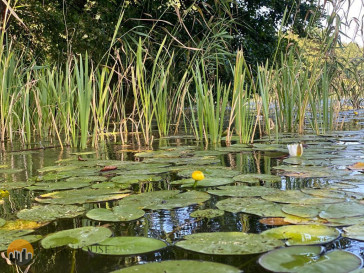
<point>127,180</point>
<point>207,182</point>
<point>180,267</point>
<point>304,171</point>
<point>207,213</point>
<point>297,220</point>
<point>256,178</point>
<point>8,236</point>
<point>81,196</point>
<point>57,168</point>
<point>201,160</point>
<point>2,222</point>
<point>243,191</point>
<point>228,243</point>
<point>217,172</point>
<point>236,148</point>
<point>50,212</point>
<point>346,209</point>
<point>126,246</point>
<point>308,211</point>
<point>324,193</point>
<point>165,199</point>
<point>255,206</point>
<point>298,197</point>
<point>304,234</point>
<point>116,214</point>
<point>60,185</point>
<point>87,179</point>
<point>345,221</point>
<point>307,259</point>
<point>77,237</point>
<point>50,177</point>
<point>14,185</point>
<point>355,232</point>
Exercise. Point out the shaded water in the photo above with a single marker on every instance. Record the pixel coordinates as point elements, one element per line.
<point>167,225</point>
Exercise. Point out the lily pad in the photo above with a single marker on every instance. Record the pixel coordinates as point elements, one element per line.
<point>217,172</point>
<point>81,196</point>
<point>355,232</point>
<point>256,178</point>
<point>50,212</point>
<point>207,182</point>
<point>346,209</point>
<point>2,222</point>
<point>243,191</point>
<point>126,246</point>
<point>61,185</point>
<point>324,193</point>
<point>304,171</point>
<point>304,234</point>
<point>127,180</point>
<point>21,225</point>
<point>76,238</point>
<point>116,214</point>
<point>8,236</point>
<point>207,213</point>
<point>307,211</point>
<point>87,179</point>
<point>180,267</point>
<point>307,259</point>
<point>228,243</point>
<point>255,206</point>
<point>298,197</point>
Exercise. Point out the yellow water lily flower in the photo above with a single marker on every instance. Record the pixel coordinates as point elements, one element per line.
<point>356,113</point>
<point>295,149</point>
<point>197,176</point>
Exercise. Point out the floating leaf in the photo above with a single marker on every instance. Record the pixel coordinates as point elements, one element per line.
<point>251,205</point>
<point>207,182</point>
<point>303,171</point>
<point>243,191</point>
<point>2,222</point>
<point>207,213</point>
<point>126,246</point>
<point>324,193</point>
<point>307,211</point>
<point>181,200</point>
<point>304,234</point>
<point>355,232</point>
<point>50,212</point>
<point>346,209</point>
<point>228,243</point>
<point>298,197</point>
<point>21,225</point>
<point>8,236</point>
<point>77,237</point>
<point>146,199</point>
<point>81,196</point>
<point>256,178</point>
<point>308,259</point>
<point>180,267</point>
<point>211,172</point>
<point>62,185</point>
<point>116,214</point>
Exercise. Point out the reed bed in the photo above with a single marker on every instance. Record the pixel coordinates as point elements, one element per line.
<point>82,103</point>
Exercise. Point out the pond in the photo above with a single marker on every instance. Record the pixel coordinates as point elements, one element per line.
<point>254,199</point>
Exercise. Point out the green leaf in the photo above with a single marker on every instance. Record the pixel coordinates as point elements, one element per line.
<point>126,246</point>
<point>228,243</point>
<point>304,234</point>
<point>307,259</point>
<point>76,238</point>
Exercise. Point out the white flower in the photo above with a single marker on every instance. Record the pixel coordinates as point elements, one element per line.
<point>295,149</point>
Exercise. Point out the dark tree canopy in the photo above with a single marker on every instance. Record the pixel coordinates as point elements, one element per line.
<point>215,26</point>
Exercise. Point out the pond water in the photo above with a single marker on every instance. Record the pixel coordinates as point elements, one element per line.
<point>322,167</point>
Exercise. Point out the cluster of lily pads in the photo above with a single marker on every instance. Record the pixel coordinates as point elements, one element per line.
<point>310,217</point>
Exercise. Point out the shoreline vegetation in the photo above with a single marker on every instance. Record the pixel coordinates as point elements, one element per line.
<point>141,93</point>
